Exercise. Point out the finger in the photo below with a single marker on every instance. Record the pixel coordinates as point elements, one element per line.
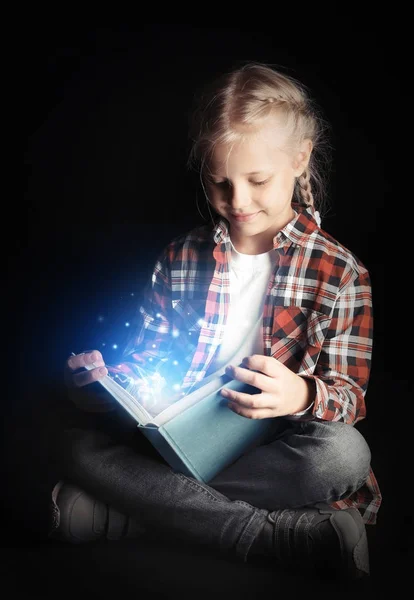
<point>252,413</point>
<point>86,377</point>
<point>253,401</point>
<point>258,380</point>
<point>265,364</point>
<point>79,361</point>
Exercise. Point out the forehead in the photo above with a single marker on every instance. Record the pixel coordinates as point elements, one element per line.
<point>249,155</point>
<point>253,149</point>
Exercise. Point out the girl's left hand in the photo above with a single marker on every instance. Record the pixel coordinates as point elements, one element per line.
<point>282,391</point>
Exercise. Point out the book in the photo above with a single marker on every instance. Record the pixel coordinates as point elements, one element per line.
<point>198,434</point>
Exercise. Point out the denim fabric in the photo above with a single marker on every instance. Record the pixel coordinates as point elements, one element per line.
<point>306,463</point>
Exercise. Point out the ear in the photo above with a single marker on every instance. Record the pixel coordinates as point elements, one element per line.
<point>301,159</point>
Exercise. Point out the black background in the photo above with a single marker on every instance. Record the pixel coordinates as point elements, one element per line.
<point>106,186</point>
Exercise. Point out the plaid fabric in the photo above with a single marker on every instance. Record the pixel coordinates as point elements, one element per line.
<point>317,320</point>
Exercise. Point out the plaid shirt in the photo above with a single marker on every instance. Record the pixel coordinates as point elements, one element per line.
<point>317,320</point>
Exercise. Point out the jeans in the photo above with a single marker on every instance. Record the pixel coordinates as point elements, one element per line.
<point>304,464</point>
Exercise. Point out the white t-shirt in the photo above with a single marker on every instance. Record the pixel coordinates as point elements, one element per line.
<point>249,279</point>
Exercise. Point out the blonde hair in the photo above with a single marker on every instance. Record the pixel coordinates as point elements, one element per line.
<point>243,99</point>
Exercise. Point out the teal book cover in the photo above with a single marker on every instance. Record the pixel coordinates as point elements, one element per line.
<point>208,436</point>
<point>197,435</point>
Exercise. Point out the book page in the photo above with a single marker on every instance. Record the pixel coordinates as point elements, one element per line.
<point>211,384</point>
<point>131,404</point>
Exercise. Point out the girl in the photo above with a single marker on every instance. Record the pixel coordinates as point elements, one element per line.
<point>265,283</point>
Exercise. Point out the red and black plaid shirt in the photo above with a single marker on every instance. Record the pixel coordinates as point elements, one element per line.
<point>317,320</point>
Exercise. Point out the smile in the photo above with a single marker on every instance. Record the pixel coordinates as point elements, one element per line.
<point>244,218</point>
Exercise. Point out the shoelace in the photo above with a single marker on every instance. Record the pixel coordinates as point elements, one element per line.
<point>286,545</point>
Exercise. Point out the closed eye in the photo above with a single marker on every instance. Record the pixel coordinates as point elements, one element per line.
<point>226,184</point>
<point>222,184</point>
<point>260,182</point>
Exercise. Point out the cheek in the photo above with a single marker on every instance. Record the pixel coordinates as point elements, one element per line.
<point>279,193</point>
<point>266,198</point>
<point>214,198</point>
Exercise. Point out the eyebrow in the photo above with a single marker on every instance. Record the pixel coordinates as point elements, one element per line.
<point>255,173</point>
<point>251,173</point>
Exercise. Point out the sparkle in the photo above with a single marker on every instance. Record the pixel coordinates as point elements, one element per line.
<point>150,359</point>
<point>154,345</point>
<point>175,362</point>
<point>127,324</point>
<point>114,346</point>
<point>175,333</point>
<point>158,315</point>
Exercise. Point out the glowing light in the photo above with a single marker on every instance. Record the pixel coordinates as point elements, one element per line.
<point>175,333</point>
<point>127,324</point>
<point>114,346</point>
<point>176,387</point>
<point>103,344</point>
<point>201,322</point>
<point>154,345</point>
<point>100,318</point>
<point>132,294</point>
<point>189,333</point>
<point>158,315</point>
<point>163,329</point>
<point>150,359</point>
<point>175,362</point>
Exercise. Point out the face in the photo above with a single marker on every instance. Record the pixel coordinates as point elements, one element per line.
<point>251,184</point>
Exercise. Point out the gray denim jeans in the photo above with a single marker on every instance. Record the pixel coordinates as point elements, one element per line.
<point>304,464</point>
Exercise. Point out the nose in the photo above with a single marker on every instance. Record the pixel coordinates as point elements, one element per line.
<point>238,198</point>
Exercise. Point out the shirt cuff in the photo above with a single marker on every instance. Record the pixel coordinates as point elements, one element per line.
<point>308,412</point>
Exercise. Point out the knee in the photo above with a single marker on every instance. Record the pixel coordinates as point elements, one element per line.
<point>352,455</point>
<point>342,449</point>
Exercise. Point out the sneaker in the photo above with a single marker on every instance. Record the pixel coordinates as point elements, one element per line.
<point>76,517</point>
<point>329,541</point>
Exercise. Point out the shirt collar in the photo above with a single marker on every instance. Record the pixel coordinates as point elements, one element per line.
<point>297,231</point>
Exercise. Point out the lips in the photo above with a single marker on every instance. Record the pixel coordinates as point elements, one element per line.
<point>244,218</point>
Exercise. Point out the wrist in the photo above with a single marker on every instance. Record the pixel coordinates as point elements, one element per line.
<point>308,393</point>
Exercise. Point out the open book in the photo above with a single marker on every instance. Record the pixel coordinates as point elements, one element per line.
<point>198,434</point>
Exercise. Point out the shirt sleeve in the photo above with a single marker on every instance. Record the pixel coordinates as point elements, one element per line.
<point>343,369</point>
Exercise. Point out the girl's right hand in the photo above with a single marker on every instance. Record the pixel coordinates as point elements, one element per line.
<point>75,373</point>
<point>77,380</point>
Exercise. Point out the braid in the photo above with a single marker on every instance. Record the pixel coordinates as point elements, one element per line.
<point>305,188</point>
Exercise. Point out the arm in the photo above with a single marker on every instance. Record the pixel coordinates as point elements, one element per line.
<point>336,389</point>
<point>342,372</point>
